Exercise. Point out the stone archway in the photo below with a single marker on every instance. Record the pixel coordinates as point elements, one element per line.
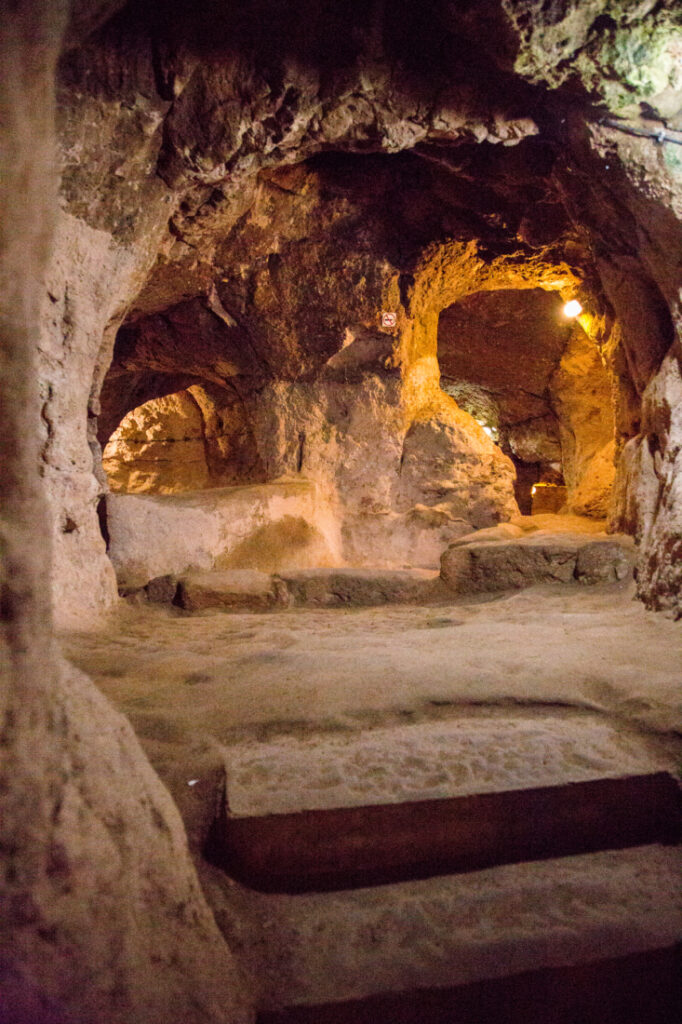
<point>188,440</point>
<point>541,386</point>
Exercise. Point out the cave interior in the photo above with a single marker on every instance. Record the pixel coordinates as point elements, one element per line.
<point>341,518</point>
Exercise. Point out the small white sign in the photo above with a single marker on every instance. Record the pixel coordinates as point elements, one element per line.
<point>389,319</point>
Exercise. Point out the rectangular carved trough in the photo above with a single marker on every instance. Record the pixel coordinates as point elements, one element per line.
<point>350,847</point>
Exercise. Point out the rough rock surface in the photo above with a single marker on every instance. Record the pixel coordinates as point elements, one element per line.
<point>324,588</point>
<point>107,919</point>
<point>396,494</point>
<point>166,121</point>
<point>657,490</point>
<point>457,928</point>
<point>549,685</point>
<point>333,408</point>
<point>103,917</point>
<point>196,438</point>
<point>448,463</point>
<point>265,527</point>
<point>206,241</point>
<point>458,756</point>
<point>582,391</point>
<point>158,447</point>
<point>245,588</point>
<point>497,351</point>
<point>538,383</point>
<point>496,563</point>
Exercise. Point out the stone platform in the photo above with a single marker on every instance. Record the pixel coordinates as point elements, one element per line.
<point>519,554</point>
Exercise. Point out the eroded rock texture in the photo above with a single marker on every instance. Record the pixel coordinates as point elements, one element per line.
<point>190,440</point>
<point>319,380</point>
<point>243,192</point>
<point>103,917</point>
<point>255,194</point>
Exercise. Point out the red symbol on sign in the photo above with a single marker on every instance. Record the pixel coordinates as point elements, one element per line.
<point>389,319</point>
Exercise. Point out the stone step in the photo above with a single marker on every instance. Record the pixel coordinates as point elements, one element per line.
<point>640,988</point>
<point>460,753</point>
<point>344,848</point>
<point>234,589</point>
<point>330,811</point>
<point>559,825</point>
<point>436,946</point>
<point>245,589</point>
<point>470,566</point>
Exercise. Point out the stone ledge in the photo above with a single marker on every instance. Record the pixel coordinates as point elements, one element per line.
<point>497,562</point>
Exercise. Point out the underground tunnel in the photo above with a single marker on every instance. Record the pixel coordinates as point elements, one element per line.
<point>341,512</point>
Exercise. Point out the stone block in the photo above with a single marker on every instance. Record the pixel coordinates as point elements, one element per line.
<point>162,589</point>
<point>480,568</point>
<point>329,588</point>
<point>491,565</point>
<point>604,561</point>
<point>235,589</point>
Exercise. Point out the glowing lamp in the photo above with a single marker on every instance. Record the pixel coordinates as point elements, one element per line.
<point>572,309</point>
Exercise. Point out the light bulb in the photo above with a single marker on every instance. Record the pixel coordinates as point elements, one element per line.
<point>572,309</point>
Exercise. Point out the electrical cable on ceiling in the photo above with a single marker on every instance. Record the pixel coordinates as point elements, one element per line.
<point>661,136</point>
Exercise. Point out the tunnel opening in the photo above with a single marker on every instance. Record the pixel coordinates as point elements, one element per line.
<point>371,345</point>
<point>531,376</point>
<point>189,440</point>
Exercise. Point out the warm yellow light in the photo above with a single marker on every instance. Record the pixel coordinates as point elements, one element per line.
<point>572,309</point>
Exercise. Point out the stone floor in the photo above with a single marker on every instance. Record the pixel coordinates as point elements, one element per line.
<point>181,677</point>
<point>317,708</point>
<point>450,930</point>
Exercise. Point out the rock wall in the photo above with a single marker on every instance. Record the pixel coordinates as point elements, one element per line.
<point>582,391</point>
<point>163,138</point>
<point>87,282</point>
<point>103,917</point>
<point>166,120</point>
<point>158,447</point>
<point>540,384</point>
<point>396,490</point>
<point>622,190</point>
<point>403,482</point>
<point>294,328</point>
<point>653,498</point>
<point>270,527</point>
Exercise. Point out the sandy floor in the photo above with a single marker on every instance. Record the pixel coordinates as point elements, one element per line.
<point>224,673</point>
